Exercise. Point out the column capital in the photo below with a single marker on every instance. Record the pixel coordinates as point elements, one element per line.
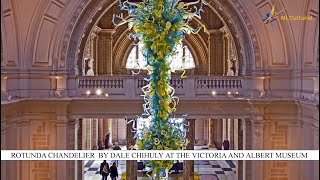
<point>23,122</point>
<point>258,107</point>
<point>105,31</point>
<point>215,33</point>
<point>73,121</point>
<point>298,123</point>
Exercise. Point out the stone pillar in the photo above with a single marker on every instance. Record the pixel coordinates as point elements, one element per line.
<point>94,48</point>
<point>206,131</point>
<point>25,143</point>
<point>4,164</point>
<point>83,134</point>
<point>86,133</point>
<point>72,168</point>
<point>230,132</point>
<point>217,131</point>
<point>226,54</point>
<point>224,129</point>
<point>107,124</point>
<point>211,132</point>
<point>79,146</point>
<point>188,166</point>
<point>105,51</point>
<point>245,167</point>
<point>235,134</point>
<point>215,47</point>
<point>257,144</point>
<point>62,139</point>
<point>94,134</point>
<point>100,130</point>
<point>115,130</point>
<point>295,143</point>
<point>131,166</point>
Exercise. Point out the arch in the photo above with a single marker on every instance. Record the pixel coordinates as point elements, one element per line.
<point>246,41</point>
<point>9,35</point>
<point>122,49</point>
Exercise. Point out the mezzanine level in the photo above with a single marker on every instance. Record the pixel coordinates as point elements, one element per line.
<point>186,88</point>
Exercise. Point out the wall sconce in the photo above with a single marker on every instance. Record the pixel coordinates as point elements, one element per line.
<point>213,93</point>
<point>98,92</point>
<point>88,93</point>
<point>106,95</point>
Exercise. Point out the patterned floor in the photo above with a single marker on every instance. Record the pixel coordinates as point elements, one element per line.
<point>208,170</point>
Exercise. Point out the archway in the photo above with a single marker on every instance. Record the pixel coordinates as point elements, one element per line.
<point>246,44</point>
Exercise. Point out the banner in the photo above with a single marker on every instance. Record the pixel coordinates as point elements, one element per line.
<point>160,155</point>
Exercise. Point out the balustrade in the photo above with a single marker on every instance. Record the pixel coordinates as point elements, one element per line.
<point>198,85</point>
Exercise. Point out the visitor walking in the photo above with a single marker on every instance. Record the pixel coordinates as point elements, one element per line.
<point>104,170</point>
<point>114,171</point>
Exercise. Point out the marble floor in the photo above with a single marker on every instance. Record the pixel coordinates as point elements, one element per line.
<point>207,170</point>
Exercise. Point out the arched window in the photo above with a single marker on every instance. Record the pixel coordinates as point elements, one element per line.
<point>181,60</point>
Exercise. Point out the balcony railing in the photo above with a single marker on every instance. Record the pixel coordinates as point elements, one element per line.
<point>130,86</point>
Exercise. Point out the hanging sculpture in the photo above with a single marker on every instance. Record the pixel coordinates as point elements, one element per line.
<point>160,25</point>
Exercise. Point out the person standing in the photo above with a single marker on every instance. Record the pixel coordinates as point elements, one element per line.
<point>100,147</point>
<point>116,147</point>
<point>104,170</point>
<point>114,171</point>
<point>226,145</point>
<point>106,141</point>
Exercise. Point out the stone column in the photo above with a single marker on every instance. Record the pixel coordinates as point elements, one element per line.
<point>115,130</point>
<point>235,143</point>
<point>4,164</point>
<point>79,146</point>
<point>211,132</point>
<point>245,167</point>
<point>94,134</point>
<point>257,144</point>
<point>62,141</point>
<point>89,134</point>
<point>131,166</point>
<point>72,129</point>
<point>107,124</point>
<point>215,47</point>
<point>105,51</point>
<point>295,143</point>
<point>188,166</point>
<point>217,131</point>
<point>224,129</point>
<point>86,133</point>
<point>83,134</point>
<point>100,130</point>
<point>226,49</point>
<point>94,54</point>
<point>25,143</point>
<point>230,132</point>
